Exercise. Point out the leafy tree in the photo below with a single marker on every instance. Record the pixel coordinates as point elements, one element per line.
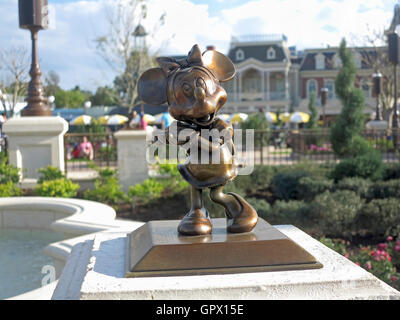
<point>348,127</point>
<point>313,123</point>
<point>52,83</point>
<point>71,99</point>
<point>122,51</point>
<point>104,96</point>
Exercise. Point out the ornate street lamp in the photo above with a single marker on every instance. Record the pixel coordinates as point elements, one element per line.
<point>33,15</point>
<point>139,36</point>
<point>324,99</point>
<point>378,122</point>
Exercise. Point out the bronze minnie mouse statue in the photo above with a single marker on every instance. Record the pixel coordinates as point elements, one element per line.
<point>192,89</point>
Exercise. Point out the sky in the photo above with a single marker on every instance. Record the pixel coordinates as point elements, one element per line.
<point>68,47</point>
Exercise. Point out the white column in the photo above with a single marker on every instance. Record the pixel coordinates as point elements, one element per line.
<point>262,73</point>
<point>34,143</point>
<point>132,163</point>
<point>240,87</point>
<point>235,89</point>
<point>268,86</point>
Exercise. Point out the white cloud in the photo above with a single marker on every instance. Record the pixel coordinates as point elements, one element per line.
<point>304,22</point>
<point>69,49</point>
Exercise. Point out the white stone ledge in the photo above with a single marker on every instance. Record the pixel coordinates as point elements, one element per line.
<point>104,265</point>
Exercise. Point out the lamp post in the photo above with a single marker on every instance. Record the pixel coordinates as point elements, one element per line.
<point>378,122</point>
<point>377,89</point>
<point>324,99</point>
<point>139,35</point>
<point>33,15</point>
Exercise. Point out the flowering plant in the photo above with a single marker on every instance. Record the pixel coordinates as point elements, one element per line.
<point>381,260</point>
<point>325,148</point>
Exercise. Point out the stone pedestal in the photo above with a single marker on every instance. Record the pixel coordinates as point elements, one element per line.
<point>96,270</point>
<point>132,164</point>
<point>34,143</point>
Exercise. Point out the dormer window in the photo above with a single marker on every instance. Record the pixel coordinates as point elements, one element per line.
<point>358,60</point>
<point>239,55</point>
<point>320,61</point>
<point>337,62</point>
<point>271,54</point>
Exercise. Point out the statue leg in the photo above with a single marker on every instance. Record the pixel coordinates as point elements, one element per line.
<point>197,221</point>
<point>241,216</point>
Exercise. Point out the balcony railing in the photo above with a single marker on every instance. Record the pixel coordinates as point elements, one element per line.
<point>258,96</point>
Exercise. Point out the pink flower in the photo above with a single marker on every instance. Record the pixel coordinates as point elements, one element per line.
<point>372,253</point>
<point>390,238</point>
<point>368,265</point>
<point>346,255</point>
<point>382,246</point>
<point>357,263</point>
<point>393,278</point>
<point>397,248</point>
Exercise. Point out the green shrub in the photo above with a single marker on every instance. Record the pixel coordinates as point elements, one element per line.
<point>262,207</point>
<point>380,217</point>
<point>285,184</point>
<point>309,187</point>
<point>367,166</point>
<point>259,123</point>
<point>259,179</point>
<point>146,191</point>
<point>106,189</point>
<point>333,213</point>
<point>392,171</point>
<point>288,212</point>
<point>50,173</point>
<point>59,188</point>
<point>362,187</point>
<point>8,172</point>
<point>385,189</point>
<point>9,189</point>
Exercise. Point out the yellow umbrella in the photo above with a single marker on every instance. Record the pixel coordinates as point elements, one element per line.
<point>238,117</point>
<point>149,118</point>
<point>81,120</point>
<point>117,119</point>
<point>284,117</point>
<point>103,119</point>
<point>271,117</point>
<point>299,117</point>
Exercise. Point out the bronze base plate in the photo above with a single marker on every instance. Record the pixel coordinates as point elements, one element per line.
<point>156,249</point>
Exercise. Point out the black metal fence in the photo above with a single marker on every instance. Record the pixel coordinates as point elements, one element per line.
<point>271,147</point>
<point>275,147</point>
<point>102,151</point>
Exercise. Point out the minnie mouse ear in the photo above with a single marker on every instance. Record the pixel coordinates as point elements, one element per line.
<point>152,86</point>
<point>220,64</point>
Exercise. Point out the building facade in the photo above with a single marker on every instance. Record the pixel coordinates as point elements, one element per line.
<point>273,76</point>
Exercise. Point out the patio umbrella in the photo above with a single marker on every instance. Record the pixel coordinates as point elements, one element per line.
<point>224,116</point>
<point>117,119</point>
<point>271,117</point>
<point>81,120</point>
<point>238,117</point>
<point>147,117</point>
<point>299,117</point>
<point>103,119</point>
<point>284,117</point>
<point>158,118</point>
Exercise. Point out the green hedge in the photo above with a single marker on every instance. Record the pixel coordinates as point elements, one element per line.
<point>333,213</point>
<point>380,217</point>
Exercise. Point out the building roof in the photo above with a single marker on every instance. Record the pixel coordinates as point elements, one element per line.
<point>329,53</point>
<point>258,52</point>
